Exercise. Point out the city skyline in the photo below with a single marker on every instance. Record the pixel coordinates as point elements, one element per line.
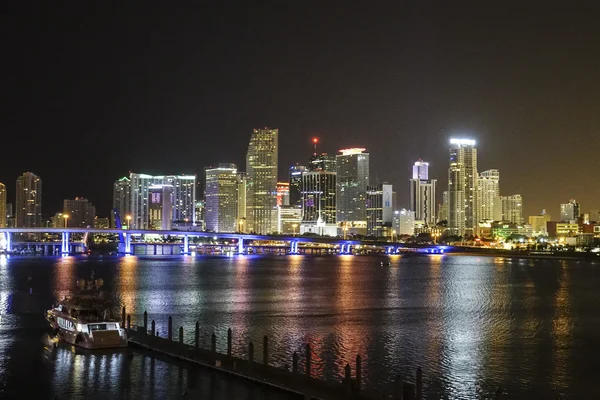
<point>399,88</point>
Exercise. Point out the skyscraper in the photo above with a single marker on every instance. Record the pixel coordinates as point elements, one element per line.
<point>221,196</point>
<point>462,187</point>
<point>488,195</point>
<point>569,211</point>
<point>421,170</point>
<point>183,197</point>
<point>3,213</point>
<point>29,201</point>
<point>352,167</point>
<point>160,207</point>
<point>283,193</point>
<point>319,203</point>
<point>122,199</point>
<point>81,213</point>
<point>379,210</point>
<point>422,194</point>
<point>242,190</point>
<point>296,185</point>
<point>512,209</point>
<point>321,162</point>
<point>261,169</point>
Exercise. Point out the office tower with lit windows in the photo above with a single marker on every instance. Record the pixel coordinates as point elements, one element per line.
<point>403,222</point>
<point>352,167</point>
<point>322,162</point>
<point>221,196</point>
<point>242,188</point>
<point>319,203</point>
<point>283,194</point>
<point>296,185</point>
<point>29,201</point>
<point>121,199</point>
<point>80,212</point>
<point>183,198</point>
<point>261,170</point>
<point>512,209</point>
<point>160,207</point>
<point>420,170</point>
<point>569,211</point>
<point>488,196</point>
<point>422,194</point>
<point>539,223</point>
<point>379,210</point>
<point>3,212</point>
<point>462,187</point>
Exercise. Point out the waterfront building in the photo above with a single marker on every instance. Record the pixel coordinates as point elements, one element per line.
<point>160,207</point>
<point>319,203</point>
<point>3,213</point>
<point>462,187</point>
<point>443,208</point>
<point>29,201</point>
<point>403,222</point>
<point>557,229</point>
<point>261,169</point>
<point>199,215</point>
<point>569,211</point>
<point>283,193</point>
<point>512,209</point>
<point>352,167</point>
<point>379,210</point>
<point>296,185</point>
<point>183,198</point>
<point>539,223</point>
<point>121,200</point>
<point>289,219</point>
<point>80,212</point>
<point>102,223</point>
<point>10,216</point>
<point>488,196</point>
<point>58,220</point>
<point>242,188</point>
<point>221,196</point>
<point>422,194</point>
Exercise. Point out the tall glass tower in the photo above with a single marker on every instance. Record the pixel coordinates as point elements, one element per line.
<point>29,201</point>
<point>352,167</point>
<point>221,198</point>
<point>261,169</point>
<point>462,187</point>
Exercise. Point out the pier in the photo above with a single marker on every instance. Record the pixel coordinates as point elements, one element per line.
<point>257,368</point>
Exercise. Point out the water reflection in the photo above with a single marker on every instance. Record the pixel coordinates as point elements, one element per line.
<point>472,323</point>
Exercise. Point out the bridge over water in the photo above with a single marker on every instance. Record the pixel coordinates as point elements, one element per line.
<point>144,241</point>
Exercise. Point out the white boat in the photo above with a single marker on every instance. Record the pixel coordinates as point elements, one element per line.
<point>85,319</point>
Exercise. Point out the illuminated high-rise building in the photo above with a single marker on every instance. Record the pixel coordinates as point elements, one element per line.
<point>29,201</point>
<point>352,167</point>
<point>422,194</point>
<point>81,213</point>
<point>379,210</point>
<point>221,196</point>
<point>3,213</point>
<point>539,223</point>
<point>462,188</point>
<point>319,203</point>
<point>569,211</point>
<point>488,196</point>
<point>296,185</point>
<point>283,194</point>
<point>420,170</point>
<point>183,198</point>
<point>160,207</point>
<point>322,162</point>
<point>242,189</point>
<point>121,200</point>
<point>512,209</point>
<point>261,169</point>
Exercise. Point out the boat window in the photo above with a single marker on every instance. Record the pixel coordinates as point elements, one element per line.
<point>97,327</point>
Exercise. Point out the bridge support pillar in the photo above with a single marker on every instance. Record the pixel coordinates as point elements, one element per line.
<point>186,244</point>
<point>65,243</point>
<point>241,245</point>
<point>7,241</point>
<point>349,249</point>
<point>127,243</point>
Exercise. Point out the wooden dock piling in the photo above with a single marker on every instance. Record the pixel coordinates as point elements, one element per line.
<point>265,350</point>
<point>170,328</point>
<point>229,344</point>
<point>197,335</point>
<point>181,334</point>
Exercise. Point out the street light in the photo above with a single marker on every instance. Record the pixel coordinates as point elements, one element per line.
<point>294,229</point>
<point>66,217</point>
<point>128,221</point>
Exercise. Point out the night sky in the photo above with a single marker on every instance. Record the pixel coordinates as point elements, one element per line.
<point>90,94</point>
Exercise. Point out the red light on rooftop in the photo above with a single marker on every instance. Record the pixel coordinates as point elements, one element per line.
<point>315,140</point>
